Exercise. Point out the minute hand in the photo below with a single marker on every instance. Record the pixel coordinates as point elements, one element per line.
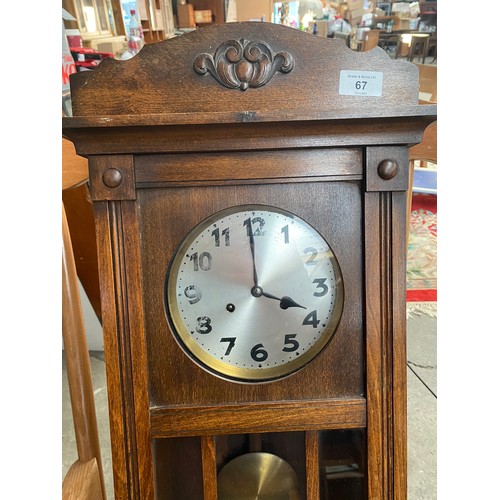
<point>252,249</point>
<point>285,302</point>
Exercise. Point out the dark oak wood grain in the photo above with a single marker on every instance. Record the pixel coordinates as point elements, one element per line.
<point>169,144</point>
<point>178,466</point>
<point>209,466</point>
<point>317,133</point>
<point>386,345</point>
<point>177,88</point>
<point>245,167</point>
<point>172,421</point>
<point>338,370</point>
<point>312,464</point>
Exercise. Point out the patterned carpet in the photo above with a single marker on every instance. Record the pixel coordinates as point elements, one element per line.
<point>421,268</point>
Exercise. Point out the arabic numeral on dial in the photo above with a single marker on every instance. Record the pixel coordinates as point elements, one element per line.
<point>258,353</point>
<point>256,220</point>
<point>248,224</point>
<point>311,261</point>
<point>320,283</point>
<point>284,230</point>
<point>203,261</point>
<point>231,342</point>
<point>290,343</point>
<point>193,294</point>
<point>312,319</point>
<point>204,325</point>
<point>216,233</point>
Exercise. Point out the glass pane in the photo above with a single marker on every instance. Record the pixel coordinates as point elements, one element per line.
<point>102,12</point>
<point>342,463</point>
<point>247,459</point>
<point>80,16</point>
<point>178,470</point>
<point>90,16</point>
<point>127,6</point>
<point>111,17</point>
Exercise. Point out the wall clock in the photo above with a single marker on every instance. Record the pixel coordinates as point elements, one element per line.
<point>249,189</point>
<point>254,293</point>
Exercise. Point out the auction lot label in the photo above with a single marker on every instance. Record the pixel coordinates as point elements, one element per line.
<point>361,83</point>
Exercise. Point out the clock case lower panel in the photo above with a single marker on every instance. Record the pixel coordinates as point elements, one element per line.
<point>328,464</point>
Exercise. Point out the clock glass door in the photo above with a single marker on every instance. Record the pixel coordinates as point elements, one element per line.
<point>284,311</point>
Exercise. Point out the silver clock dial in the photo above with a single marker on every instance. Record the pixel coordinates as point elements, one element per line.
<point>254,293</point>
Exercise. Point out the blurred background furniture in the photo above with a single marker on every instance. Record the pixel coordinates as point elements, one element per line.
<point>80,217</point>
<point>422,180</point>
<point>427,81</point>
<point>388,40</point>
<point>370,40</point>
<point>419,46</point>
<point>431,48</point>
<point>343,36</point>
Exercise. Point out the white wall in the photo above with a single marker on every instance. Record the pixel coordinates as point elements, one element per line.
<point>92,326</point>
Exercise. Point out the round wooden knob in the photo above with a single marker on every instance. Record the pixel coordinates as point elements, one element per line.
<point>112,177</point>
<point>387,169</point>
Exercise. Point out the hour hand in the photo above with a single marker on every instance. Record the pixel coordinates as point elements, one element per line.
<point>285,302</point>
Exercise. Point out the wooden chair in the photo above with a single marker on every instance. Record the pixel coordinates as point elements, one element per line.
<point>80,217</point>
<point>370,40</point>
<point>84,480</point>
<point>432,48</point>
<point>425,151</point>
<point>419,46</point>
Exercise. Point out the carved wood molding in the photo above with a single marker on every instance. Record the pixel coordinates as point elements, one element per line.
<point>243,64</point>
<point>386,341</point>
<point>123,343</point>
<point>139,90</point>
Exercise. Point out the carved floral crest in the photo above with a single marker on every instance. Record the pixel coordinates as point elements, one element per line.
<point>243,64</point>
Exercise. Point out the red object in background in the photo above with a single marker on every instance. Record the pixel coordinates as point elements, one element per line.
<point>87,58</point>
<point>426,202</point>
<point>74,38</point>
<point>421,295</point>
<point>75,41</point>
<point>68,67</point>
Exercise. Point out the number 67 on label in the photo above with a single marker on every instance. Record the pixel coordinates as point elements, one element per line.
<point>361,83</point>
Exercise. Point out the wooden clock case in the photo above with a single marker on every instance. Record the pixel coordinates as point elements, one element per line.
<point>229,115</point>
